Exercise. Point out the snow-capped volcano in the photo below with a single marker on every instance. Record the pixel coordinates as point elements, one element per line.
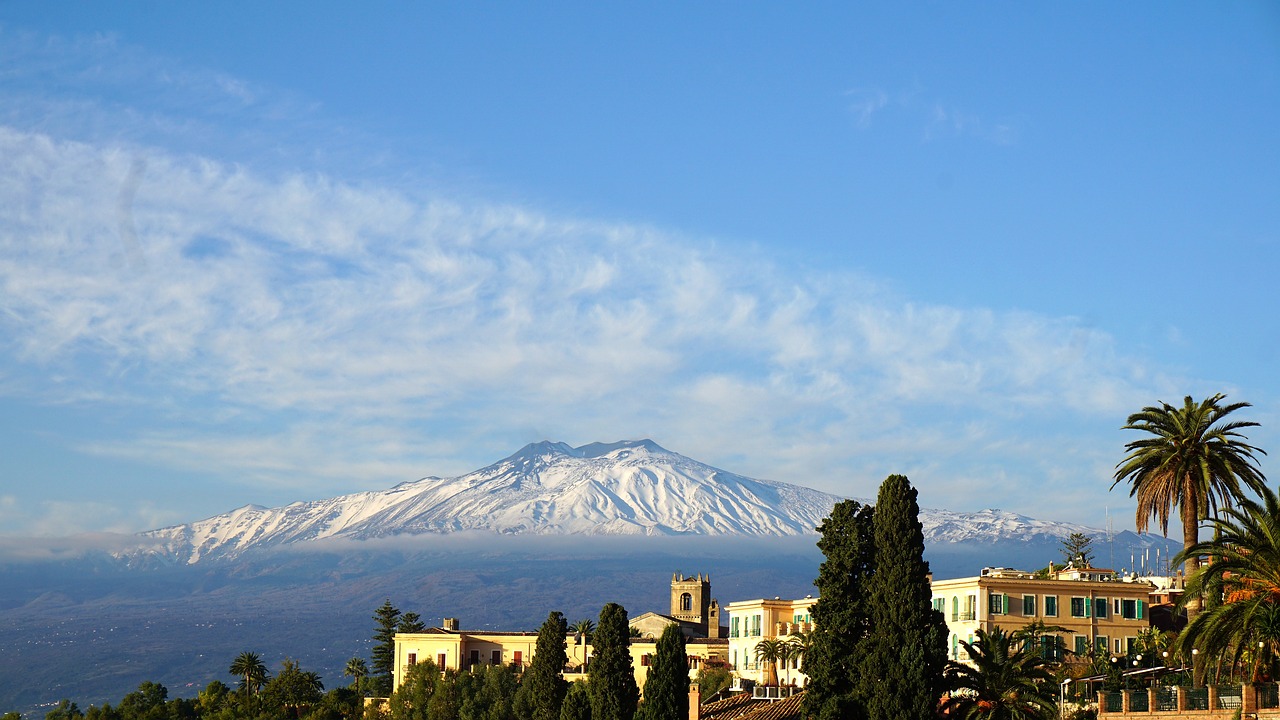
<point>550,488</point>
<point>623,488</point>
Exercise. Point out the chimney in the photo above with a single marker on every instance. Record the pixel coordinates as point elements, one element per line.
<point>450,624</point>
<point>695,702</point>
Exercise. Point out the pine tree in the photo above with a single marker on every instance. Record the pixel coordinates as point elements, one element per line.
<point>904,654</point>
<point>384,647</point>
<point>841,615</point>
<point>542,689</point>
<point>411,622</point>
<point>612,682</point>
<point>666,689</point>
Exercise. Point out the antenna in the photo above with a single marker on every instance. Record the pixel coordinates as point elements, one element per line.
<point>1110,544</point>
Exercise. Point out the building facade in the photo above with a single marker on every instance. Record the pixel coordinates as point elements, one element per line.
<point>753,621</point>
<point>1094,608</point>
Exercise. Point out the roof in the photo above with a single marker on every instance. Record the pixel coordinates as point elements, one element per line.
<point>744,707</point>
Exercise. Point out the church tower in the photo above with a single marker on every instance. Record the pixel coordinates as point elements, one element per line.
<point>691,602</point>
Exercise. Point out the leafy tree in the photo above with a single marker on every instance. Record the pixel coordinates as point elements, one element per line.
<point>11,716</point>
<point>105,712</point>
<point>446,700</point>
<point>1003,683</point>
<point>411,699</point>
<point>411,622</point>
<point>64,710</point>
<point>492,691</point>
<point>252,673</point>
<point>612,682</point>
<point>577,703</point>
<point>666,689</point>
<point>904,654</point>
<point>1076,549</point>
<point>145,703</point>
<point>769,651</point>
<point>712,678</point>
<point>1244,570</point>
<point>584,627</point>
<point>1196,460</point>
<point>294,689</point>
<point>387,619</point>
<point>1040,637</point>
<point>542,689</point>
<point>841,616</point>
<point>212,697</point>
<point>357,670</point>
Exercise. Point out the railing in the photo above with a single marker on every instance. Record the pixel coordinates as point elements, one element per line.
<point>774,692</point>
<point>1229,697</point>
<point>1269,696</point>
<point>1112,702</point>
<point>969,616</point>
<point>1198,698</point>
<point>1139,701</point>
<point>1166,698</point>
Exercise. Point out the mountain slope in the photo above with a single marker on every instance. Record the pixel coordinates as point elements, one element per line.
<point>625,488</point>
<point>552,489</point>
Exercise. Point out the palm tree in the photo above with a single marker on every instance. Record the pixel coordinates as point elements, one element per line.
<point>1002,682</point>
<point>1039,637</point>
<point>1244,571</point>
<point>584,627</point>
<point>249,667</point>
<point>770,650</point>
<point>1197,461</point>
<point>799,642</point>
<point>357,669</point>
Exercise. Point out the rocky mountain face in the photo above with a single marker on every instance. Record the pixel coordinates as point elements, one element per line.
<point>547,488</point>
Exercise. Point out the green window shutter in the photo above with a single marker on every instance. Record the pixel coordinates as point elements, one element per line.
<point>1088,607</point>
<point>1008,610</point>
<point>1140,604</point>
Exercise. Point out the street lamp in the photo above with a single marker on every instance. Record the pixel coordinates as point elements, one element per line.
<point>1062,699</point>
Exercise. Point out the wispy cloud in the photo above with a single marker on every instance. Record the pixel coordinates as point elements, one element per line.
<point>936,118</point>
<point>294,328</point>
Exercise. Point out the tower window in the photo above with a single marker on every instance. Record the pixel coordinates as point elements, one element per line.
<point>686,603</point>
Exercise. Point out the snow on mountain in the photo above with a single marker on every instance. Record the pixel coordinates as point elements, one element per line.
<point>624,488</point>
<point>547,488</point>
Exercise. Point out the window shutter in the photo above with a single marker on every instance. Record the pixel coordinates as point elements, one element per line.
<point>1006,604</point>
<point>1140,604</point>
<point>1088,607</point>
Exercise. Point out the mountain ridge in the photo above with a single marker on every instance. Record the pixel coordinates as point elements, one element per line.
<point>625,488</point>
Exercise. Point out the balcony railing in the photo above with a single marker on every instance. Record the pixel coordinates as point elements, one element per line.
<point>761,692</point>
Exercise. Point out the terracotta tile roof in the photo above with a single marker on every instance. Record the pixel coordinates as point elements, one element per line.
<point>744,707</point>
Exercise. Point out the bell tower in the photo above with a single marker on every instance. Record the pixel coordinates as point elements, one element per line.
<point>691,603</point>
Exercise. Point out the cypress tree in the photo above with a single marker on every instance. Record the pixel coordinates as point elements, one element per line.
<point>903,656</point>
<point>666,689</point>
<point>612,682</point>
<point>577,704</point>
<point>384,647</point>
<point>841,616</point>
<point>542,689</point>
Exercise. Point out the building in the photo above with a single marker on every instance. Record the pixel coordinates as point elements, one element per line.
<point>752,621</point>
<point>1094,608</point>
<point>692,607</point>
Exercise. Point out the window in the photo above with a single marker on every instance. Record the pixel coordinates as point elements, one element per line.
<point>1051,605</point>
<point>440,661</point>
<point>1100,642</point>
<point>955,647</point>
<point>516,659</point>
<point>1119,646</point>
<point>686,602</point>
<point>1131,609</point>
<point>496,658</point>
<point>939,604</point>
<point>413,658</point>
<point>735,659</point>
<point>1079,607</point>
<point>733,628</point>
<point>1100,611</point>
<point>644,660</point>
<point>755,625</point>
<point>955,608</point>
<point>1128,645</point>
<point>996,603</point>
<point>1082,644</point>
<point>1116,609</point>
<point>1029,605</point>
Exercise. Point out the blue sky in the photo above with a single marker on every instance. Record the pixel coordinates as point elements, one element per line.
<point>259,253</point>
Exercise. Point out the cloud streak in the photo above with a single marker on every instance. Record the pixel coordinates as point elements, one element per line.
<point>299,330</point>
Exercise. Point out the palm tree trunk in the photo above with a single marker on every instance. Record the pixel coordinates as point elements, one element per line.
<point>1191,536</point>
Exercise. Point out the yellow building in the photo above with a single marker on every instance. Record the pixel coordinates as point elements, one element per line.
<point>1095,608</point>
<point>752,621</point>
<point>450,647</point>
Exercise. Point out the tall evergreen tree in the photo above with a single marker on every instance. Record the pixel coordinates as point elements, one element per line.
<point>840,617</point>
<point>542,689</point>
<point>387,618</point>
<point>612,682</point>
<point>903,656</point>
<point>577,704</point>
<point>666,689</point>
<point>411,622</point>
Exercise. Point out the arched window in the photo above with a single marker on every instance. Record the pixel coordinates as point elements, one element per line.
<point>955,608</point>
<point>686,602</point>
